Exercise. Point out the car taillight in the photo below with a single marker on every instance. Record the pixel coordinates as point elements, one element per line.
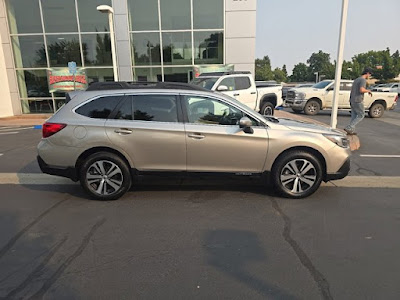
<point>48,129</point>
<point>397,98</point>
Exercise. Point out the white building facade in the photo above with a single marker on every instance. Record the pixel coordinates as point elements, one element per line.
<point>156,40</point>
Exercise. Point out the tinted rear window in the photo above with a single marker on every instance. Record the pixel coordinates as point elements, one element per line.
<point>242,83</point>
<point>157,108</point>
<point>99,108</point>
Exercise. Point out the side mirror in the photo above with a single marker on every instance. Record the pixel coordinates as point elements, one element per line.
<point>331,88</point>
<point>222,88</point>
<point>245,123</point>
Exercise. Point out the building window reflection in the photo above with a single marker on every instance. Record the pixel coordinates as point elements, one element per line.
<point>146,49</point>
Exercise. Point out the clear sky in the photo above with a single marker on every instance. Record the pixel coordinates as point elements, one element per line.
<point>289,31</point>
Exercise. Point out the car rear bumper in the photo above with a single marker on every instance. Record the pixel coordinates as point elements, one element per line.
<point>68,172</point>
<point>341,173</point>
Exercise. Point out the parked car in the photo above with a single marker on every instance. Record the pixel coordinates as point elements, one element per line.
<point>320,96</point>
<point>389,87</point>
<point>241,86</point>
<point>107,135</point>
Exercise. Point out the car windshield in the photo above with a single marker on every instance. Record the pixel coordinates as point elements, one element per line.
<point>206,83</point>
<point>322,84</point>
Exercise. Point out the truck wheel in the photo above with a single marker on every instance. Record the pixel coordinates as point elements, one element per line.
<point>376,110</point>
<point>296,174</point>
<point>312,108</point>
<point>267,109</point>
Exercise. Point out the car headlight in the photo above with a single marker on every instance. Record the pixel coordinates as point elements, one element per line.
<point>300,96</point>
<point>339,140</point>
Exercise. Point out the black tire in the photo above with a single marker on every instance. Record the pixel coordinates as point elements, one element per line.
<point>267,109</point>
<point>296,111</point>
<point>297,184</point>
<point>376,110</point>
<point>104,184</point>
<point>312,108</point>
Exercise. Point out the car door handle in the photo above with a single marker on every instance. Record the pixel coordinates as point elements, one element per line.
<point>196,136</point>
<point>123,131</point>
<point>341,94</point>
<point>236,94</point>
<point>252,93</point>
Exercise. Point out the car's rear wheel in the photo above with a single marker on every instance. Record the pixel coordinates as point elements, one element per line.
<point>312,107</point>
<point>267,109</point>
<point>376,110</point>
<point>105,176</point>
<point>297,174</point>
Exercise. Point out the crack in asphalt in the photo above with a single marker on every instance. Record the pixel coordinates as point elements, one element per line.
<point>319,279</point>
<point>360,170</point>
<point>48,284</point>
<point>13,240</point>
<point>36,272</point>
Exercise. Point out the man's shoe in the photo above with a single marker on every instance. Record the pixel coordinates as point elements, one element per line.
<point>349,132</point>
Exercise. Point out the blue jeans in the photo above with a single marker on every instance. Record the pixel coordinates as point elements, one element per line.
<point>357,114</point>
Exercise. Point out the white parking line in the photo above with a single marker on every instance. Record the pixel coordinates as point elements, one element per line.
<point>2,129</point>
<point>1,154</point>
<point>389,182</point>
<point>379,156</point>
<point>5,133</point>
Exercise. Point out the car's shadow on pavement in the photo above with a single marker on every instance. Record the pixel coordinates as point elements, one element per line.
<point>150,184</point>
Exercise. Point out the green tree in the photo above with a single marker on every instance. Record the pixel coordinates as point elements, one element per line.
<point>279,75</point>
<point>285,71</point>
<point>263,69</point>
<point>299,73</point>
<point>320,62</point>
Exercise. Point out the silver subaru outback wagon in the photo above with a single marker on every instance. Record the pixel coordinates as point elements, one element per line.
<point>111,132</point>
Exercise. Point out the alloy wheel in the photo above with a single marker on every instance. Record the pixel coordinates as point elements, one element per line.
<point>104,177</point>
<point>298,176</point>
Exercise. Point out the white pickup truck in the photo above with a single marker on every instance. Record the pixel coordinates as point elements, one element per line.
<point>320,96</point>
<point>241,85</point>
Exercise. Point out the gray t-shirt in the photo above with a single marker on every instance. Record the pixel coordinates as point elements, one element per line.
<point>355,95</point>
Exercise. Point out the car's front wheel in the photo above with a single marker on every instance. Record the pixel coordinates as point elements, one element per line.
<point>297,174</point>
<point>105,176</point>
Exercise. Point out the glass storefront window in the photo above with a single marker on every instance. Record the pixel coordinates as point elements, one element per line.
<point>90,19</point>
<point>178,74</point>
<point>99,75</point>
<point>62,49</point>
<point>147,74</point>
<point>208,14</point>
<point>175,14</point>
<point>59,16</point>
<point>29,51</point>
<point>208,48</point>
<point>96,49</point>
<point>143,15</point>
<point>177,48</point>
<point>37,106</point>
<point>24,16</point>
<point>146,49</point>
<point>33,83</point>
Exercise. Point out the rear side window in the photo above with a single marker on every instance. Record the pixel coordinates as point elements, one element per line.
<point>125,110</point>
<point>99,108</point>
<point>242,83</point>
<point>156,108</point>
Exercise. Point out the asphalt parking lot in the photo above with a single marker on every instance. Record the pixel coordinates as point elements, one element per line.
<point>180,239</point>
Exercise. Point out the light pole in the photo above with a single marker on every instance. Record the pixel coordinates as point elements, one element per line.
<point>316,77</point>
<point>339,63</point>
<point>108,10</point>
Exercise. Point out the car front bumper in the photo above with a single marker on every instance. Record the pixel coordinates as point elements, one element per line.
<point>341,173</point>
<point>296,103</point>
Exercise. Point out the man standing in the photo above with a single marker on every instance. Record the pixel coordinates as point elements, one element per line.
<point>357,100</point>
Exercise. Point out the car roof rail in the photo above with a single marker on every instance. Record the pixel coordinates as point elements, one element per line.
<point>224,73</point>
<point>118,85</point>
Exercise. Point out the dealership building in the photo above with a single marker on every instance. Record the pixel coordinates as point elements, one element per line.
<point>155,40</point>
